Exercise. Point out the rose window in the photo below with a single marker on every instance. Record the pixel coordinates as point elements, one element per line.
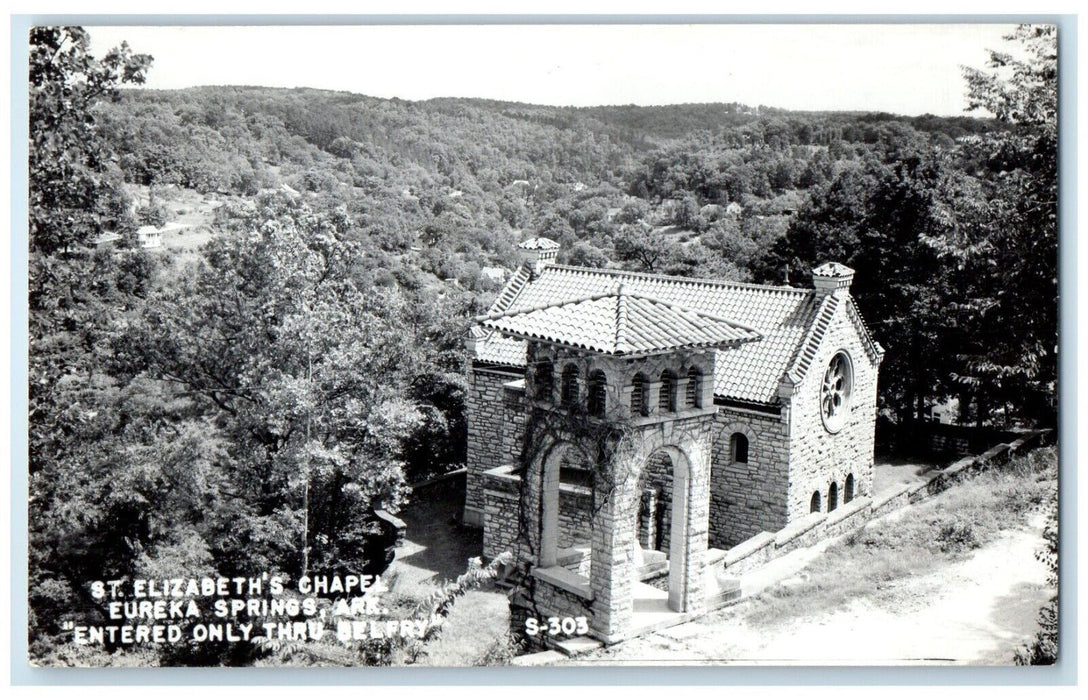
<point>835,393</point>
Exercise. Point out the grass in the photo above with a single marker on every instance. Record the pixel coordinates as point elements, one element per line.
<point>943,529</point>
<point>890,473</point>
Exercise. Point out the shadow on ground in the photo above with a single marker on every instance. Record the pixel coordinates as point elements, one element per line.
<point>436,546</point>
<point>436,549</point>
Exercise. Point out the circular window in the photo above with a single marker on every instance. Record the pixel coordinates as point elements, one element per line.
<point>835,393</point>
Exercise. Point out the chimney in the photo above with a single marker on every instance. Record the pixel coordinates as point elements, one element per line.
<point>831,277</point>
<point>538,253</point>
<point>472,339</point>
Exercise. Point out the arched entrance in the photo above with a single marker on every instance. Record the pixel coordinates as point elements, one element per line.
<point>663,526</point>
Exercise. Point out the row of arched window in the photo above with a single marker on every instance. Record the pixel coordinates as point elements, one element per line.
<point>666,394</point>
<point>544,387</point>
<point>833,496</point>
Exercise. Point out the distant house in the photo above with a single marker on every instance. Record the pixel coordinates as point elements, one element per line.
<point>149,237</point>
<point>734,209</point>
<point>495,275</point>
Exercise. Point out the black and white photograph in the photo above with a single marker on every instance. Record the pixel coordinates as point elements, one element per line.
<point>542,344</point>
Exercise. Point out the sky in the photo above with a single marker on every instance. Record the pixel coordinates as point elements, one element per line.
<point>900,68</point>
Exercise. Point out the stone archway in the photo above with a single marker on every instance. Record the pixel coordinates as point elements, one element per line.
<point>558,456</point>
<point>665,474</point>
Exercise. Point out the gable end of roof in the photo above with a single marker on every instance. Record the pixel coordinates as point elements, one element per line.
<point>806,351</point>
<point>872,348</point>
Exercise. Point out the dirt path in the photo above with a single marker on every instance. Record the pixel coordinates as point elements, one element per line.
<point>977,611</point>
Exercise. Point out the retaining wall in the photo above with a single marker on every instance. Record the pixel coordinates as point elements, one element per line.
<point>813,528</point>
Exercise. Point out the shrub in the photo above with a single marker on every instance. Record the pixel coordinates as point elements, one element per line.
<point>154,215</point>
<point>957,536</point>
<point>1043,650</point>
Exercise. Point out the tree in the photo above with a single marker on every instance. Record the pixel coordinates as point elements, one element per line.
<point>646,250</point>
<point>72,194</point>
<point>1020,290</point>
<point>305,373</point>
<point>890,223</point>
<point>88,491</point>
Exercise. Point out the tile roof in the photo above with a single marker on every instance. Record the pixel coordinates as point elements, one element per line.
<point>784,316</point>
<point>620,323</point>
<point>833,269</point>
<point>540,243</point>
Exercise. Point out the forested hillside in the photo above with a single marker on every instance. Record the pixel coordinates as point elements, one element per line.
<point>221,408</point>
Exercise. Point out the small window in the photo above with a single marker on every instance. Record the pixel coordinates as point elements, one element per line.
<point>544,380</point>
<point>569,390</point>
<point>738,448</point>
<point>638,395</point>
<point>848,489</point>
<point>832,497</point>
<point>693,394</point>
<point>814,504</point>
<point>597,383</point>
<point>666,398</point>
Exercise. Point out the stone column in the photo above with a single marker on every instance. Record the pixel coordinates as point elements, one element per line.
<point>698,516</point>
<point>653,398</point>
<point>647,518</point>
<point>623,401</point>
<point>682,393</point>
<point>612,567</point>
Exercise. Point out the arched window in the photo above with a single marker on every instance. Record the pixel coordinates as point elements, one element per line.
<point>638,395</point>
<point>738,448</point>
<point>694,392</point>
<point>814,504</point>
<point>666,397</point>
<point>597,383</point>
<point>569,389</point>
<point>848,489</point>
<point>544,380</point>
<point>832,497</point>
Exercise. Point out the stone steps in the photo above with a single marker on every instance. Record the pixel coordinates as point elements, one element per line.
<point>540,658</point>
<point>577,646</point>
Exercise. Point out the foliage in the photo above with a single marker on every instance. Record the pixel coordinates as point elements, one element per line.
<point>956,262</point>
<point>1043,649</point>
<point>73,190</point>
<point>301,370</point>
<point>434,609</point>
<point>1018,285</point>
<point>243,407</point>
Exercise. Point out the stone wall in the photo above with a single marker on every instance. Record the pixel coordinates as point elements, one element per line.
<point>549,594</point>
<point>495,414</point>
<point>811,528</point>
<point>500,491</point>
<point>748,498</point>
<point>818,457</point>
<point>575,516</point>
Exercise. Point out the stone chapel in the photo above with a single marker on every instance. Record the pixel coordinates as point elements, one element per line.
<point>625,429</point>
